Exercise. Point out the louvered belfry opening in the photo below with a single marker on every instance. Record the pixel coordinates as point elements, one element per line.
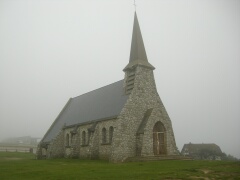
<point>130,82</point>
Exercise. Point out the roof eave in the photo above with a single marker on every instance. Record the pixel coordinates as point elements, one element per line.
<point>90,122</point>
<point>138,62</point>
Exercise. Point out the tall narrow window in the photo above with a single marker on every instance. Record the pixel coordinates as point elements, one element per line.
<point>104,135</point>
<point>72,138</point>
<point>67,140</point>
<point>110,134</point>
<point>89,137</point>
<point>83,138</point>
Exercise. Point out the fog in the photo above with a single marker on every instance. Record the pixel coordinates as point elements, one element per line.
<point>51,50</point>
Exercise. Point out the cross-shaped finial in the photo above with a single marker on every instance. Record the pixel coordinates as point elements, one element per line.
<point>135,5</point>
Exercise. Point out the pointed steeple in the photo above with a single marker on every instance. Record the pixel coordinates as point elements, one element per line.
<point>138,54</point>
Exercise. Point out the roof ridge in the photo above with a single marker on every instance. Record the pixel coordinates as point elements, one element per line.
<point>97,89</point>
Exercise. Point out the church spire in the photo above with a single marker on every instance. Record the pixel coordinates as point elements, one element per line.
<point>138,54</point>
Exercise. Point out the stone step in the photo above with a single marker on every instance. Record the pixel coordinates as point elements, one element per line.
<point>157,158</point>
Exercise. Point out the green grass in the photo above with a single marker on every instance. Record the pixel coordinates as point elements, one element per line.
<point>25,166</point>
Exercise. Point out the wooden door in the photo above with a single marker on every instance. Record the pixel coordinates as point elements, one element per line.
<point>159,144</point>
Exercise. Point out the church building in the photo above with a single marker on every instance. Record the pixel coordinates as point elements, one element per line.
<point>119,121</point>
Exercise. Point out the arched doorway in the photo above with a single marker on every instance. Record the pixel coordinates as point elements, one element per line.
<point>159,139</point>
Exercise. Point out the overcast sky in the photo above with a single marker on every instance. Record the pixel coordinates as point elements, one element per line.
<point>51,50</point>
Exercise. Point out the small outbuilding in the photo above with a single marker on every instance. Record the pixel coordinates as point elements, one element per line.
<point>202,151</point>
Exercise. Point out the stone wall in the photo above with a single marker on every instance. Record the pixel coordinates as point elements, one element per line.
<point>93,146</point>
<point>157,115</point>
<point>144,96</point>
<point>56,148</point>
<point>105,148</point>
<point>71,142</point>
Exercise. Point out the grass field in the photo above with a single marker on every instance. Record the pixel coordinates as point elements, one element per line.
<point>24,166</point>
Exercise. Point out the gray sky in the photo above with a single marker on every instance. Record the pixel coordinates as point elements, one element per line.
<point>51,50</point>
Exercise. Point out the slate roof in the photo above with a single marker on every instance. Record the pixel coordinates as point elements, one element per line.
<point>99,104</point>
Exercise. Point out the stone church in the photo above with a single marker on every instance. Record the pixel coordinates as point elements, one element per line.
<point>122,120</point>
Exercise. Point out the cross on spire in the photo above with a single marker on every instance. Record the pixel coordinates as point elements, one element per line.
<point>135,6</point>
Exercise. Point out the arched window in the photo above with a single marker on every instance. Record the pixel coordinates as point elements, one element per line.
<point>104,135</point>
<point>110,134</point>
<point>83,138</point>
<point>67,140</point>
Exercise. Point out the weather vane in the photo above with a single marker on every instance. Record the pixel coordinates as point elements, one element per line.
<point>135,5</point>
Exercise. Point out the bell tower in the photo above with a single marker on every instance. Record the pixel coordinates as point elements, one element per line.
<point>138,57</point>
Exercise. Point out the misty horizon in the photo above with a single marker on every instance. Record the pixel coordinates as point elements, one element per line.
<point>54,50</point>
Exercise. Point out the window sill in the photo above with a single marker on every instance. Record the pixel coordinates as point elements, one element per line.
<point>84,145</point>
